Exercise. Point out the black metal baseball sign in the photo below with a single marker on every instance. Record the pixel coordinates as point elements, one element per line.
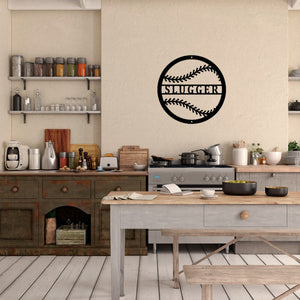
<point>191,89</point>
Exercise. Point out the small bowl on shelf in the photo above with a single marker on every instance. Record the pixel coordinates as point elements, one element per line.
<point>276,191</point>
<point>137,167</point>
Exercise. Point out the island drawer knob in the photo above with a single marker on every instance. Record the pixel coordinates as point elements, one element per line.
<point>118,188</point>
<point>244,215</point>
<point>15,189</point>
<point>64,189</point>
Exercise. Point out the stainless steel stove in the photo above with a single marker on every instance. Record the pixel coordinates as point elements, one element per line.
<point>191,178</point>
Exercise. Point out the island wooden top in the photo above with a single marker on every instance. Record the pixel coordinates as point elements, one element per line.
<point>267,169</point>
<point>258,198</point>
<point>72,173</point>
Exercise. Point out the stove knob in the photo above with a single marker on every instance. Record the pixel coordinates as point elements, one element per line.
<point>220,178</point>
<point>174,178</point>
<point>206,178</point>
<point>225,178</point>
<point>213,178</point>
<point>181,179</point>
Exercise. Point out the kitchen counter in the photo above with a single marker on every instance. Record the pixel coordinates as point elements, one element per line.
<point>73,173</point>
<point>267,168</point>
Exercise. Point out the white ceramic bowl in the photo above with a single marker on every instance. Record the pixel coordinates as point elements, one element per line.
<point>208,192</point>
<point>137,167</point>
<point>273,158</point>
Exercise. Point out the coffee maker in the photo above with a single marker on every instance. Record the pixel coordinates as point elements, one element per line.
<point>16,156</point>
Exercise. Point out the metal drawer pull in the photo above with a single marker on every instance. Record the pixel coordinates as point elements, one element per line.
<point>64,189</point>
<point>244,215</point>
<point>15,189</point>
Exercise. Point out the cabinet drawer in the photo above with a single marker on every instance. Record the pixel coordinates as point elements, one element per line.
<point>76,189</point>
<point>258,215</point>
<point>27,189</point>
<point>105,185</point>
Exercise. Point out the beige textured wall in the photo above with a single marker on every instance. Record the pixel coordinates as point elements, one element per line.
<point>5,38</point>
<point>247,40</point>
<point>56,33</point>
<point>294,63</point>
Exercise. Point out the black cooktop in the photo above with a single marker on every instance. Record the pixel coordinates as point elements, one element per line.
<point>190,166</point>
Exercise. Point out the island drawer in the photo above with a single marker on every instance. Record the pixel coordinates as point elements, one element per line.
<point>75,189</point>
<point>14,188</point>
<point>245,215</point>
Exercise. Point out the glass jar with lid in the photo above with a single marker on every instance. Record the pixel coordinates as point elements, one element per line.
<point>97,70</point>
<point>60,66</point>
<point>90,70</point>
<point>49,66</point>
<point>71,66</point>
<point>81,66</point>
<point>39,66</point>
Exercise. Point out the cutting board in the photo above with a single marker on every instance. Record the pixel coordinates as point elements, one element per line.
<point>90,148</point>
<point>60,139</point>
<point>128,155</point>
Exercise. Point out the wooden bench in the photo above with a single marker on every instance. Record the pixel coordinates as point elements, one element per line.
<point>238,233</point>
<point>209,275</point>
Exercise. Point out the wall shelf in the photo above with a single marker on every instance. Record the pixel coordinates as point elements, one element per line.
<point>54,78</point>
<point>54,4</point>
<point>25,113</point>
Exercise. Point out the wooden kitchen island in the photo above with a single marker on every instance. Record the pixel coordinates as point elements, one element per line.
<point>191,212</point>
<point>27,198</point>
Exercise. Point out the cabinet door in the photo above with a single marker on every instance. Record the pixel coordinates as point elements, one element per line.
<point>135,239</point>
<point>18,224</point>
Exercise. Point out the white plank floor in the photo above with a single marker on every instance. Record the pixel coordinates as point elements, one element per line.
<point>146,277</point>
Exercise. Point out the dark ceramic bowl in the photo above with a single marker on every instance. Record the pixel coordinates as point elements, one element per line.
<point>237,188</point>
<point>276,191</point>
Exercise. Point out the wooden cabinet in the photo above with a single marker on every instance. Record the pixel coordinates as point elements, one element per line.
<point>26,200</point>
<point>135,239</point>
<point>263,179</point>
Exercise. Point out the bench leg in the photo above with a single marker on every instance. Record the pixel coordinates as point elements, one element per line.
<point>206,291</point>
<point>176,262</point>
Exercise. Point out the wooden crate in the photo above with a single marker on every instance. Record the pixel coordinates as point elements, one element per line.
<point>128,155</point>
<point>67,236</point>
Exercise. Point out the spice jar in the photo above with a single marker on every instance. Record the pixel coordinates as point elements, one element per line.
<point>71,156</point>
<point>60,66</point>
<point>38,67</point>
<point>81,66</point>
<point>90,70</point>
<point>49,66</point>
<point>71,66</point>
<point>97,70</point>
<point>62,159</point>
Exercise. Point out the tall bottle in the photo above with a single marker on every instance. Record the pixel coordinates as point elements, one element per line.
<point>93,101</point>
<point>17,101</point>
<point>37,100</point>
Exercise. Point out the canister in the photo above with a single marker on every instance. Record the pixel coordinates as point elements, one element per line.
<point>34,159</point>
<point>240,156</point>
<point>62,159</point>
<point>49,66</point>
<point>71,157</point>
<point>81,66</point>
<point>60,66</point>
<point>97,70</point>
<point>17,65</point>
<point>28,69</point>
<point>39,66</point>
<point>71,70</point>
<point>90,70</point>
